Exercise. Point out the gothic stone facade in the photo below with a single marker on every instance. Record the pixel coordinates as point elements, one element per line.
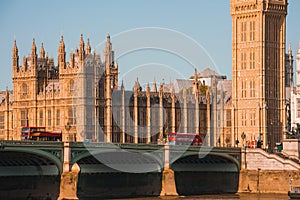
<point>258,69</point>
<point>84,92</point>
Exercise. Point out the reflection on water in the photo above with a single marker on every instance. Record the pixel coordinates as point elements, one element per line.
<point>222,197</point>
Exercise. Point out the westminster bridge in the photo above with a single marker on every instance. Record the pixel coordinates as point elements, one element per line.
<point>115,170</point>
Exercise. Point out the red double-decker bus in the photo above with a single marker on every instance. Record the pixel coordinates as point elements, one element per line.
<point>40,133</point>
<point>175,138</point>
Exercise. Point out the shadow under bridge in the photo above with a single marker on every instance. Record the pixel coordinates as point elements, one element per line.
<point>206,172</point>
<point>109,173</point>
<point>29,169</point>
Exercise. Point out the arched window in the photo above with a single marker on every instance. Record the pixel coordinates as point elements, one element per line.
<point>41,118</point>
<point>72,86</point>
<point>70,116</point>
<point>2,121</point>
<point>24,89</point>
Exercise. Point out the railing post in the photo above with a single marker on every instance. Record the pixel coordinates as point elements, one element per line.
<point>67,155</point>
<point>168,178</point>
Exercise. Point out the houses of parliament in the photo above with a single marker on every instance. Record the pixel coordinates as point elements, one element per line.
<point>85,91</point>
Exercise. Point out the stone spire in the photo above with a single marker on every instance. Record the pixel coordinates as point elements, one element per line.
<point>108,43</point>
<point>161,88</point>
<point>122,86</point>
<point>172,91</point>
<point>81,44</point>
<point>33,47</point>
<point>116,64</point>
<point>24,63</point>
<point>290,70</point>
<point>42,51</point>
<point>61,43</point>
<point>137,86</point>
<point>33,53</point>
<point>298,68</point>
<point>108,92</point>
<point>154,88</point>
<point>81,48</point>
<point>15,56</point>
<point>195,82</point>
<point>290,49</point>
<point>148,89</point>
<point>61,53</point>
<point>88,47</point>
<point>15,49</point>
<point>108,51</point>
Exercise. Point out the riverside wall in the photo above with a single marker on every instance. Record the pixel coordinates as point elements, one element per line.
<point>267,173</point>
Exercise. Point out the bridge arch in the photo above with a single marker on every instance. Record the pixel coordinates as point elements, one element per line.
<point>31,157</point>
<point>213,156</point>
<point>28,172</point>
<point>110,174</point>
<point>119,160</point>
<point>211,173</point>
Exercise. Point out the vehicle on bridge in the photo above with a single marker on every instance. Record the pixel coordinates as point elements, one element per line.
<point>175,138</point>
<point>294,192</point>
<point>40,133</point>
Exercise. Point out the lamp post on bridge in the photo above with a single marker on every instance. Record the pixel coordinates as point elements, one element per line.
<point>68,128</point>
<point>243,136</point>
<point>67,151</point>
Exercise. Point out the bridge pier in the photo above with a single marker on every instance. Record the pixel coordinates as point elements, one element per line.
<point>69,178</point>
<point>168,186</point>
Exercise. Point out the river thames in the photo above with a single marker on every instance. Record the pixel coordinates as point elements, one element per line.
<point>221,197</point>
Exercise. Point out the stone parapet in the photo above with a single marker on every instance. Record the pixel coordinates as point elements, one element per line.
<point>259,159</point>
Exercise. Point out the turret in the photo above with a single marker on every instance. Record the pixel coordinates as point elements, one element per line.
<point>15,57</point>
<point>42,51</point>
<point>33,56</point>
<point>289,68</point>
<point>116,65</point>
<point>148,89</point>
<point>108,52</point>
<point>115,74</point>
<point>137,86</point>
<point>298,68</point>
<point>108,86</point>
<point>290,56</point>
<point>24,63</point>
<point>161,90</point>
<point>81,49</point>
<point>61,54</point>
<point>33,47</point>
<point>88,47</point>
<point>290,50</point>
<point>122,86</point>
<point>154,88</point>
<point>195,82</point>
<point>72,60</point>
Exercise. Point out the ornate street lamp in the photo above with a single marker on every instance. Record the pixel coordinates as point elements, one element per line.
<point>243,136</point>
<point>68,127</point>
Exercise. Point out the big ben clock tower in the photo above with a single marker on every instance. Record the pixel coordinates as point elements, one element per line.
<point>258,72</point>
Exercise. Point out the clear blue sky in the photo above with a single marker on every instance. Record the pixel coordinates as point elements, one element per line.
<point>207,22</point>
